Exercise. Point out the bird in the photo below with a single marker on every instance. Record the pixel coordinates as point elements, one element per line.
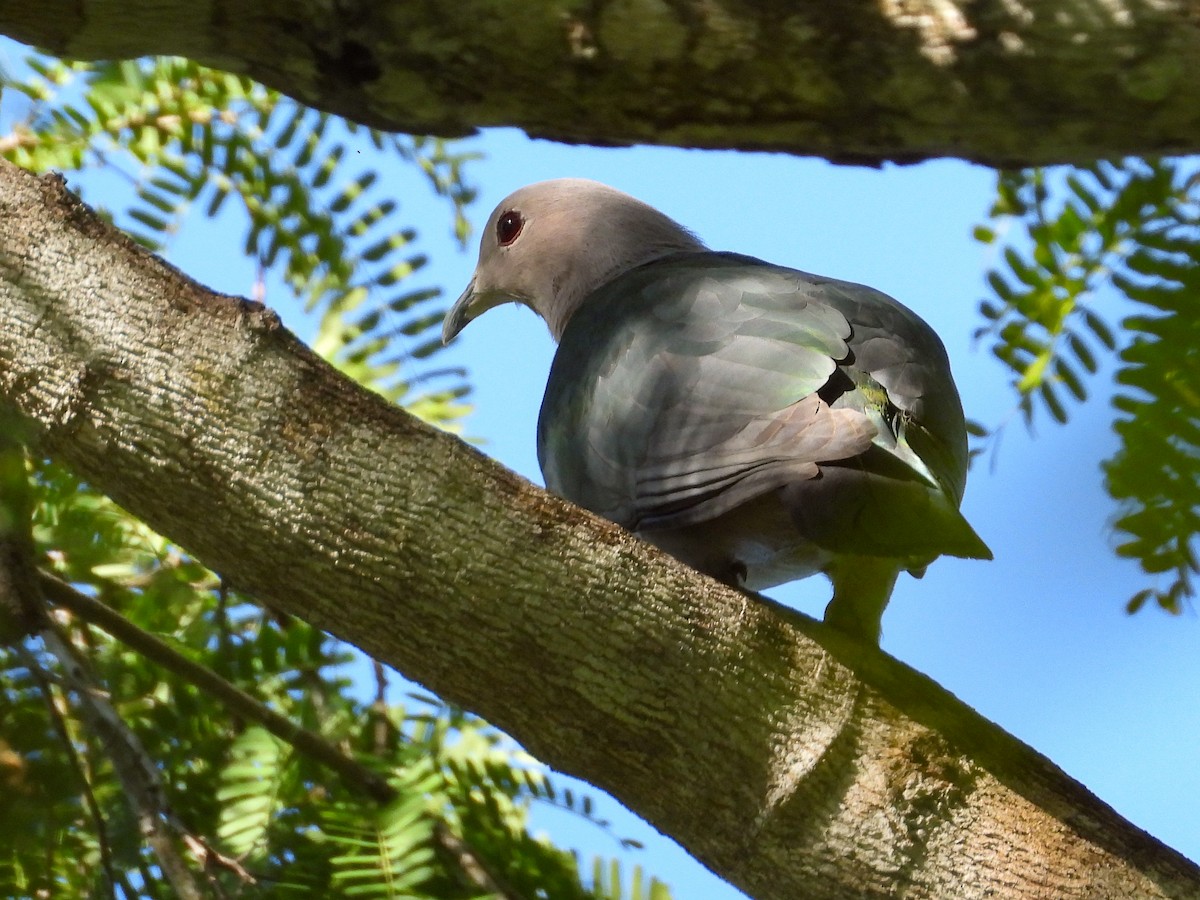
<point>759,423</point>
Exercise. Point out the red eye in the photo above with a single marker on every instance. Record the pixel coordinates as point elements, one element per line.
<point>508,227</point>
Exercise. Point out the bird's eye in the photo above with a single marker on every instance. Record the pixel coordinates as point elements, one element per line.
<point>508,227</point>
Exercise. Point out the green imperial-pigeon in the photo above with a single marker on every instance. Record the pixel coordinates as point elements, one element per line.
<point>759,423</point>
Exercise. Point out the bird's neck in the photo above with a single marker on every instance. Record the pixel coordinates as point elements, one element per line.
<point>579,287</point>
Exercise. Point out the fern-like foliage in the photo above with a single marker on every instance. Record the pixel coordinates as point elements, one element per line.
<point>1134,227</point>
<point>317,217</point>
<point>249,792</point>
<point>607,883</point>
<point>387,851</point>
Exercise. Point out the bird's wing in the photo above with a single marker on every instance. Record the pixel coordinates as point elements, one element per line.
<point>895,350</point>
<point>690,385</point>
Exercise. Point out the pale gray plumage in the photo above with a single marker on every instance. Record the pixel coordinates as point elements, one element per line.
<point>759,423</point>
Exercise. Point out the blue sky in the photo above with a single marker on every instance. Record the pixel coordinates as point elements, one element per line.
<point>1037,640</point>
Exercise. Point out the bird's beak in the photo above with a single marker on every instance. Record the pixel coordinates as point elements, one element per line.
<point>460,313</point>
<point>468,307</point>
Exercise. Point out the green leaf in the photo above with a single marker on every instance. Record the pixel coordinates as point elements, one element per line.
<point>1066,375</point>
<point>1024,273</point>
<point>249,788</point>
<point>1100,329</point>
<point>1001,287</point>
<point>151,221</point>
<point>1082,353</point>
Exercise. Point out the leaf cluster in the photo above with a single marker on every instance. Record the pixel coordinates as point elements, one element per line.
<point>309,185</point>
<point>1134,228</point>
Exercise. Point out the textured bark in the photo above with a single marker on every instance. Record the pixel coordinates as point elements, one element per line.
<point>788,760</point>
<point>998,81</point>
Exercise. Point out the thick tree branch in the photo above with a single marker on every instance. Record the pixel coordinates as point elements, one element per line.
<point>791,762</point>
<point>988,80</point>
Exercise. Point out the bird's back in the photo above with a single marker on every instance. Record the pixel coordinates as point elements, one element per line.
<point>694,385</point>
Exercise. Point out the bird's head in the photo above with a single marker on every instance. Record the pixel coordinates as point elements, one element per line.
<point>551,244</point>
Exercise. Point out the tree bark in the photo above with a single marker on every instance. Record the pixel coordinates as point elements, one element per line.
<point>786,758</point>
<point>999,82</point>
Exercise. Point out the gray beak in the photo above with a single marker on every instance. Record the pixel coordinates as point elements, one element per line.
<point>460,313</point>
<point>469,307</point>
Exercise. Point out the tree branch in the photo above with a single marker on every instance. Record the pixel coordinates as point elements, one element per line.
<point>789,760</point>
<point>987,80</point>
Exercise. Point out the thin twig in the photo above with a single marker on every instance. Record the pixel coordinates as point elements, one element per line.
<point>379,707</point>
<point>224,637</point>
